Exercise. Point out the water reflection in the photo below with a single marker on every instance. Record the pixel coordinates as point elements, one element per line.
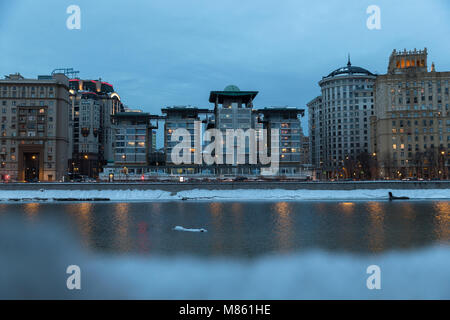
<point>245,228</point>
<point>347,207</point>
<point>442,221</point>
<point>283,227</point>
<point>216,209</point>
<point>121,224</point>
<point>31,210</point>
<point>376,226</point>
<point>83,215</point>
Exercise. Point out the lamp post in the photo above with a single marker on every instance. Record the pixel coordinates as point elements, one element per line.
<point>442,171</point>
<point>88,165</point>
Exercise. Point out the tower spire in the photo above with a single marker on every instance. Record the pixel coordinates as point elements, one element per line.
<point>349,63</point>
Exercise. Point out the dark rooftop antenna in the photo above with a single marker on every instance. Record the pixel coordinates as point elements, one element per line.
<point>69,72</point>
<point>349,64</point>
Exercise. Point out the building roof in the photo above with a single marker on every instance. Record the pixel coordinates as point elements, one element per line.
<point>231,91</point>
<point>350,70</point>
<point>185,109</point>
<point>281,110</point>
<point>132,114</point>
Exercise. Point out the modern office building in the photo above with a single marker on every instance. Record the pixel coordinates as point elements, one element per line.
<point>132,138</point>
<point>190,119</point>
<point>340,122</point>
<point>411,126</point>
<point>93,102</point>
<point>233,110</point>
<point>34,140</point>
<point>286,120</point>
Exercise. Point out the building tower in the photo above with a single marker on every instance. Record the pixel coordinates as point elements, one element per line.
<point>411,126</point>
<point>233,109</point>
<point>93,102</point>
<point>340,133</point>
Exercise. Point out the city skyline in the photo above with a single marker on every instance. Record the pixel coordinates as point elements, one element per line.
<point>152,64</point>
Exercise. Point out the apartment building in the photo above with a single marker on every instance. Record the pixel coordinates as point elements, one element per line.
<point>286,121</point>
<point>133,138</point>
<point>340,122</point>
<point>233,110</point>
<point>34,138</point>
<point>411,126</point>
<point>189,119</point>
<point>93,102</point>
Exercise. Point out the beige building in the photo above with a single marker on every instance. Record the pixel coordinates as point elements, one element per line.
<point>34,127</point>
<point>411,125</point>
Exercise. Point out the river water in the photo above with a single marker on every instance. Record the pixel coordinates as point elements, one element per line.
<point>251,250</point>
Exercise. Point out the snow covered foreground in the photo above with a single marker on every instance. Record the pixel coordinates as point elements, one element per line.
<point>238,194</point>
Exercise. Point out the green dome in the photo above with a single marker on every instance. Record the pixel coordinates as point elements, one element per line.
<point>231,87</point>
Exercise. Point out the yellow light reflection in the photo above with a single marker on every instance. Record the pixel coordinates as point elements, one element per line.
<point>376,227</point>
<point>82,212</point>
<point>347,207</point>
<point>442,221</point>
<point>236,209</point>
<point>121,215</point>
<point>31,209</point>
<point>283,228</point>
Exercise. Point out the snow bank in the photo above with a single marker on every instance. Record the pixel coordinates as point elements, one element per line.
<point>238,194</point>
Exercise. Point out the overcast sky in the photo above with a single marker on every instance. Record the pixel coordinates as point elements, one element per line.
<point>173,52</point>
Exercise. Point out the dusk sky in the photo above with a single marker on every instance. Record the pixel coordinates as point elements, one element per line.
<point>163,53</point>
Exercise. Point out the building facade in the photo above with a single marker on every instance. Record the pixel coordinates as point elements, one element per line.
<point>411,127</point>
<point>286,121</point>
<point>315,131</point>
<point>34,127</point>
<point>186,118</point>
<point>93,102</point>
<point>132,142</point>
<point>340,123</point>
<point>233,110</point>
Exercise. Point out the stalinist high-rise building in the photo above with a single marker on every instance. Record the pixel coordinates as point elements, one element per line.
<point>411,126</point>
